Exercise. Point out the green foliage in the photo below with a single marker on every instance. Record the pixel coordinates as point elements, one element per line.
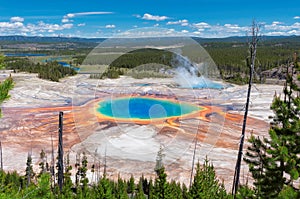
<point>143,56</point>
<point>274,162</point>
<point>121,189</point>
<point>206,184</point>
<point>44,187</point>
<point>29,174</point>
<point>5,87</point>
<point>140,192</point>
<point>42,164</point>
<point>270,54</point>
<point>2,63</point>
<point>67,192</point>
<point>245,191</point>
<point>161,184</point>
<point>131,185</point>
<point>14,186</point>
<point>51,70</point>
<point>288,192</point>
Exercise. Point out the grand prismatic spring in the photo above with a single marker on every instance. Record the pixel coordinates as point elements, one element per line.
<point>144,108</point>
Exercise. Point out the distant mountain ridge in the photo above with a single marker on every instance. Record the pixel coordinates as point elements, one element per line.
<point>240,39</point>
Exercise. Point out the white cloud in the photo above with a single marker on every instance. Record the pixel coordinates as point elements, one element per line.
<point>72,15</point>
<point>67,26</point>
<point>147,16</point>
<point>277,27</point>
<point>81,24</point>
<point>110,26</point>
<point>149,32</point>
<point>183,22</point>
<point>137,16</point>
<point>185,31</point>
<point>296,17</point>
<point>201,25</point>
<point>204,29</point>
<point>156,25</point>
<point>234,28</point>
<point>8,25</point>
<point>65,20</point>
<point>275,33</point>
<point>294,32</point>
<point>16,19</point>
<point>276,22</point>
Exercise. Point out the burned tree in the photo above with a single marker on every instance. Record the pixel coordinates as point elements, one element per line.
<point>251,65</point>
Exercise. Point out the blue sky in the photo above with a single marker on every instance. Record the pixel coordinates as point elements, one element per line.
<point>108,18</point>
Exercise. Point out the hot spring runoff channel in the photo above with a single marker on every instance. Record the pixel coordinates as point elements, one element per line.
<point>144,108</point>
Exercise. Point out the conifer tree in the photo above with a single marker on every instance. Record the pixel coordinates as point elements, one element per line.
<point>151,192</point>
<point>140,192</point>
<point>105,188</point>
<point>29,174</point>
<point>82,172</point>
<point>185,193</point>
<point>44,187</point>
<point>161,184</point>
<point>131,186</point>
<point>274,162</point>
<point>42,164</point>
<point>205,184</point>
<point>121,189</point>
<point>67,189</point>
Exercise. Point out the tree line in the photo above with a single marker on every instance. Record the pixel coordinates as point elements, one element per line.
<point>52,71</point>
<point>43,184</point>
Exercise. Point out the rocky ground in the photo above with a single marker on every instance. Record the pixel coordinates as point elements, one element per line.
<point>30,122</point>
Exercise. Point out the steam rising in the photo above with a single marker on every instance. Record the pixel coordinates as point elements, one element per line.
<point>192,75</point>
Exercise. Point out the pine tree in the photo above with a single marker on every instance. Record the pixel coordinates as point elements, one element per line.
<point>262,168</point>
<point>161,184</point>
<point>274,162</point>
<point>44,187</point>
<point>121,189</point>
<point>67,189</point>
<point>205,184</point>
<point>131,186</point>
<point>140,192</point>
<point>82,172</point>
<point>185,193</point>
<point>29,174</point>
<point>42,164</point>
<point>175,190</point>
<point>105,189</point>
<point>151,193</point>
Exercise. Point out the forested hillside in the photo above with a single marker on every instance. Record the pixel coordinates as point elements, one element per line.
<point>51,70</point>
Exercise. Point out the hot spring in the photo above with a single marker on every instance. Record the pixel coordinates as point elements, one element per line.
<point>144,108</point>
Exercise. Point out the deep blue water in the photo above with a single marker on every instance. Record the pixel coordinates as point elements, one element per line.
<point>144,108</point>
<point>65,64</point>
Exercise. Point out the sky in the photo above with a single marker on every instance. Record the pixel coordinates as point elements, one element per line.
<point>111,18</point>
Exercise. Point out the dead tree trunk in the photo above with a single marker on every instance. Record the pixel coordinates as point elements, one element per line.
<point>251,64</point>
<point>60,165</point>
<point>1,156</point>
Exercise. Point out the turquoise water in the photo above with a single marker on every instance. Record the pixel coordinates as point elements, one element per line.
<point>144,108</point>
